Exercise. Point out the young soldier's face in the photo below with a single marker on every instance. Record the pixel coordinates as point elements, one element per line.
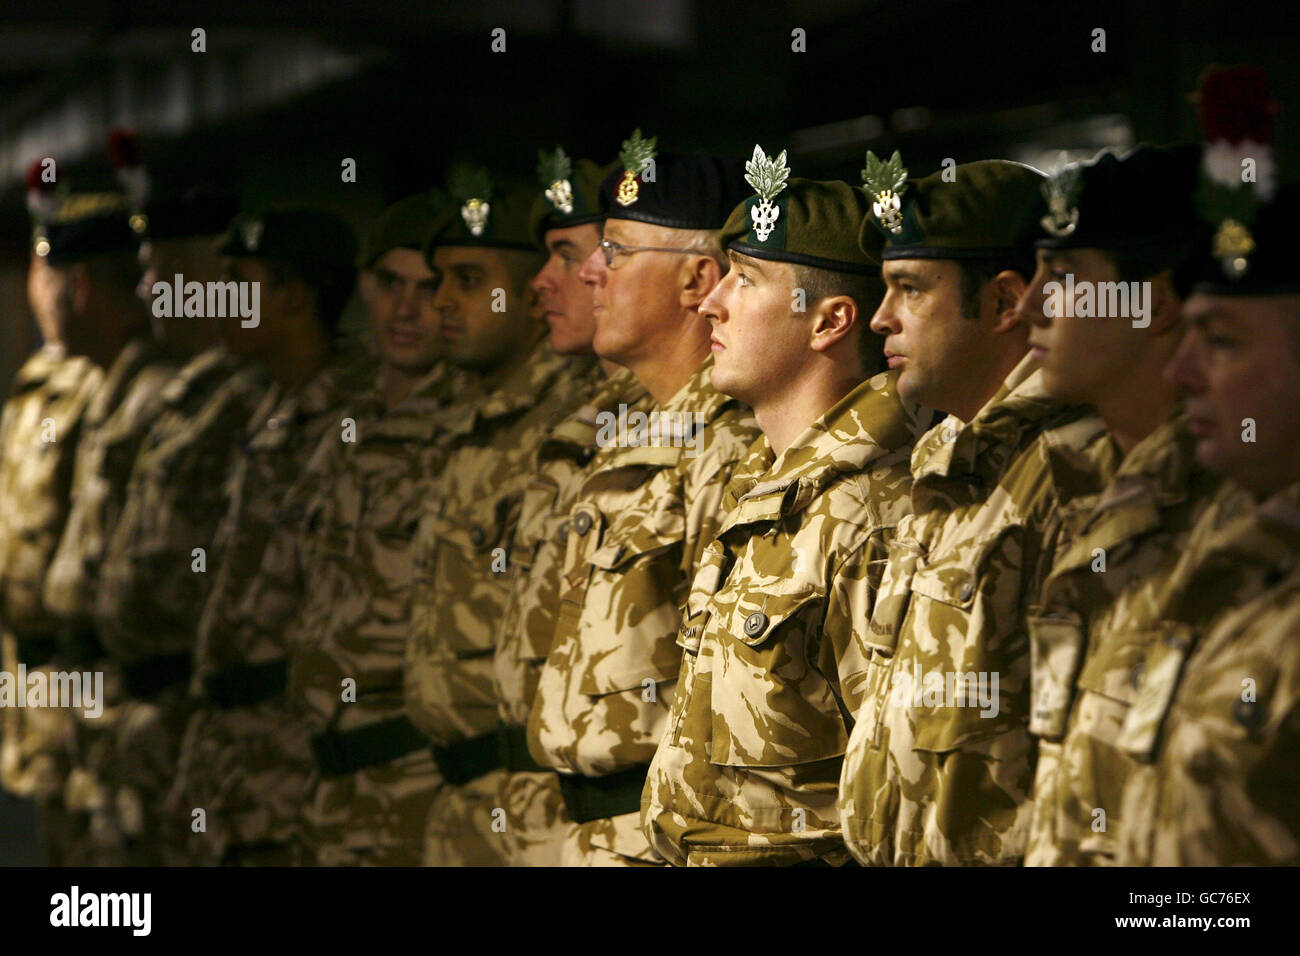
<point>758,342</point>
<point>1079,356</point>
<point>927,336</point>
<point>636,297</point>
<point>1238,367</point>
<point>49,296</point>
<point>399,290</point>
<point>565,300</point>
<point>161,260</point>
<point>258,340</point>
<point>481,307</point>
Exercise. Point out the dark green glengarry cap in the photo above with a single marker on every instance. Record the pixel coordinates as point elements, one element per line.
<point>405,224</point>
<point>982,213</point>
<point>800,220</point>
<point>1268,251</point>
<point>570,194</point>
<point>308,240</point>
<point>482,214</point>
<point>81,225</point>
<point>1116,202</point>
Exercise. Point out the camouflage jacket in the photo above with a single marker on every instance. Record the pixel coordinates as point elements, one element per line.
<point>117,421</point>
<point>940,763</point>
<point>40,428</point>
<point>152,581</point>
<point>1215,723</point>
<point>1091,630</point>
<point>462,550</point>
<point>360,498</point>
<point>637,533</point>
<point>537,548</point>
<point>748,769</point>
<point>247,765</point>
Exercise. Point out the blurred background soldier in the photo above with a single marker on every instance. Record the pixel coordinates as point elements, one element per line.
<point>648,504</point>
<point>81,285</point>
<point>244,756</point>
<point>354,513</point>
<point>465,536</point>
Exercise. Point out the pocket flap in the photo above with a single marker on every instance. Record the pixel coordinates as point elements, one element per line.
<point>1055,646</point>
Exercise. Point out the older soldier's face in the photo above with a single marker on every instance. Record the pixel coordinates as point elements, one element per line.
<point>399,291</point>
<point>565,300</point>
<point>1238,365</point>
<point>1079,356</point>
<point>636,296</point>
<point>473,280</point>
<point>927,336</point>
<point>758,342</point>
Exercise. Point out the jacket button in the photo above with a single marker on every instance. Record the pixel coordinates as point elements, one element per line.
<point>1249,714</point>
<point>755,624</point>
<point>966,591</point>
<point>477,536</point>
<point>563,533</point>
<point>582,522</point>
<point>1135,676</point>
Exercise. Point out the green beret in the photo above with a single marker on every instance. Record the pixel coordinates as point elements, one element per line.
<point>405,224</point>
<point>801,221</point>
<point>1115,202</point>
<point>982,213</point>
<point>570,194</point>
<point>481,214</point>
<point>83,225</point>
<point>308,240</point>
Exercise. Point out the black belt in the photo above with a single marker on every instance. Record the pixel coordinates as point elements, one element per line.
<point>244,685</point>
<point>144,679</point>
<point>338,752</point>
<point>596,798</point>
<point>514,750</point>
<point>818,861</point>
<point>470,759</point>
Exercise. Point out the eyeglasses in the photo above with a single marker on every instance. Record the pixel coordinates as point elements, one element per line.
<point>612,249</point>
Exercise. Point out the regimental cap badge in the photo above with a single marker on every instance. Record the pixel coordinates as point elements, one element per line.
<point>1061,191</point>
<point>886,182</point>
<point>636,154</point>
<point>553,170</point>
<point>472,188</point>
<point>767,177</point>
<point>250,230</point>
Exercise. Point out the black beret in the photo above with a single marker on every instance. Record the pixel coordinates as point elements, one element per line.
<point>1114,202</point>
<point>84,225</point>
<point>482,214</point>
<point>308,240</point>
<point>672,190</point>
<point>570,194</point>
<point>1256,257</point>
<point>976,210</point>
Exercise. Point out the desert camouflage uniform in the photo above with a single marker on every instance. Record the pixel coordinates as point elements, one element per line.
<point>1091,631</point>
<point>637,534</point>
<point>535,818</point>
<point>361,498</point>
<point>748,769</point>
<point>116,422</point>
<point>51,389</point>
<point>926,783</point>
<point>245,757</point>
<point>461,556</point>
<point>1215,722</point>
<point>151,595</point>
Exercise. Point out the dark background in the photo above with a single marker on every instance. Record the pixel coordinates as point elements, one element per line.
<point>288,88</point>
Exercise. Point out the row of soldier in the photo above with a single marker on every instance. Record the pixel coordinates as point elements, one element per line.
<point>919,563</point>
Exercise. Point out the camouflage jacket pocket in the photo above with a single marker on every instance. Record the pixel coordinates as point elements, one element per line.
<point>1055,647</point>
<point>893,598</point>
<point>631,613</point>
<point>771,706</point>
<point>468,592</point>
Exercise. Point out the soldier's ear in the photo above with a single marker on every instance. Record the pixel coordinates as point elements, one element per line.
<point>1165,305</point>
<point>834,320</point>
<point>1008,289</point>
<point>699,275</point>
<point>82,287</point>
